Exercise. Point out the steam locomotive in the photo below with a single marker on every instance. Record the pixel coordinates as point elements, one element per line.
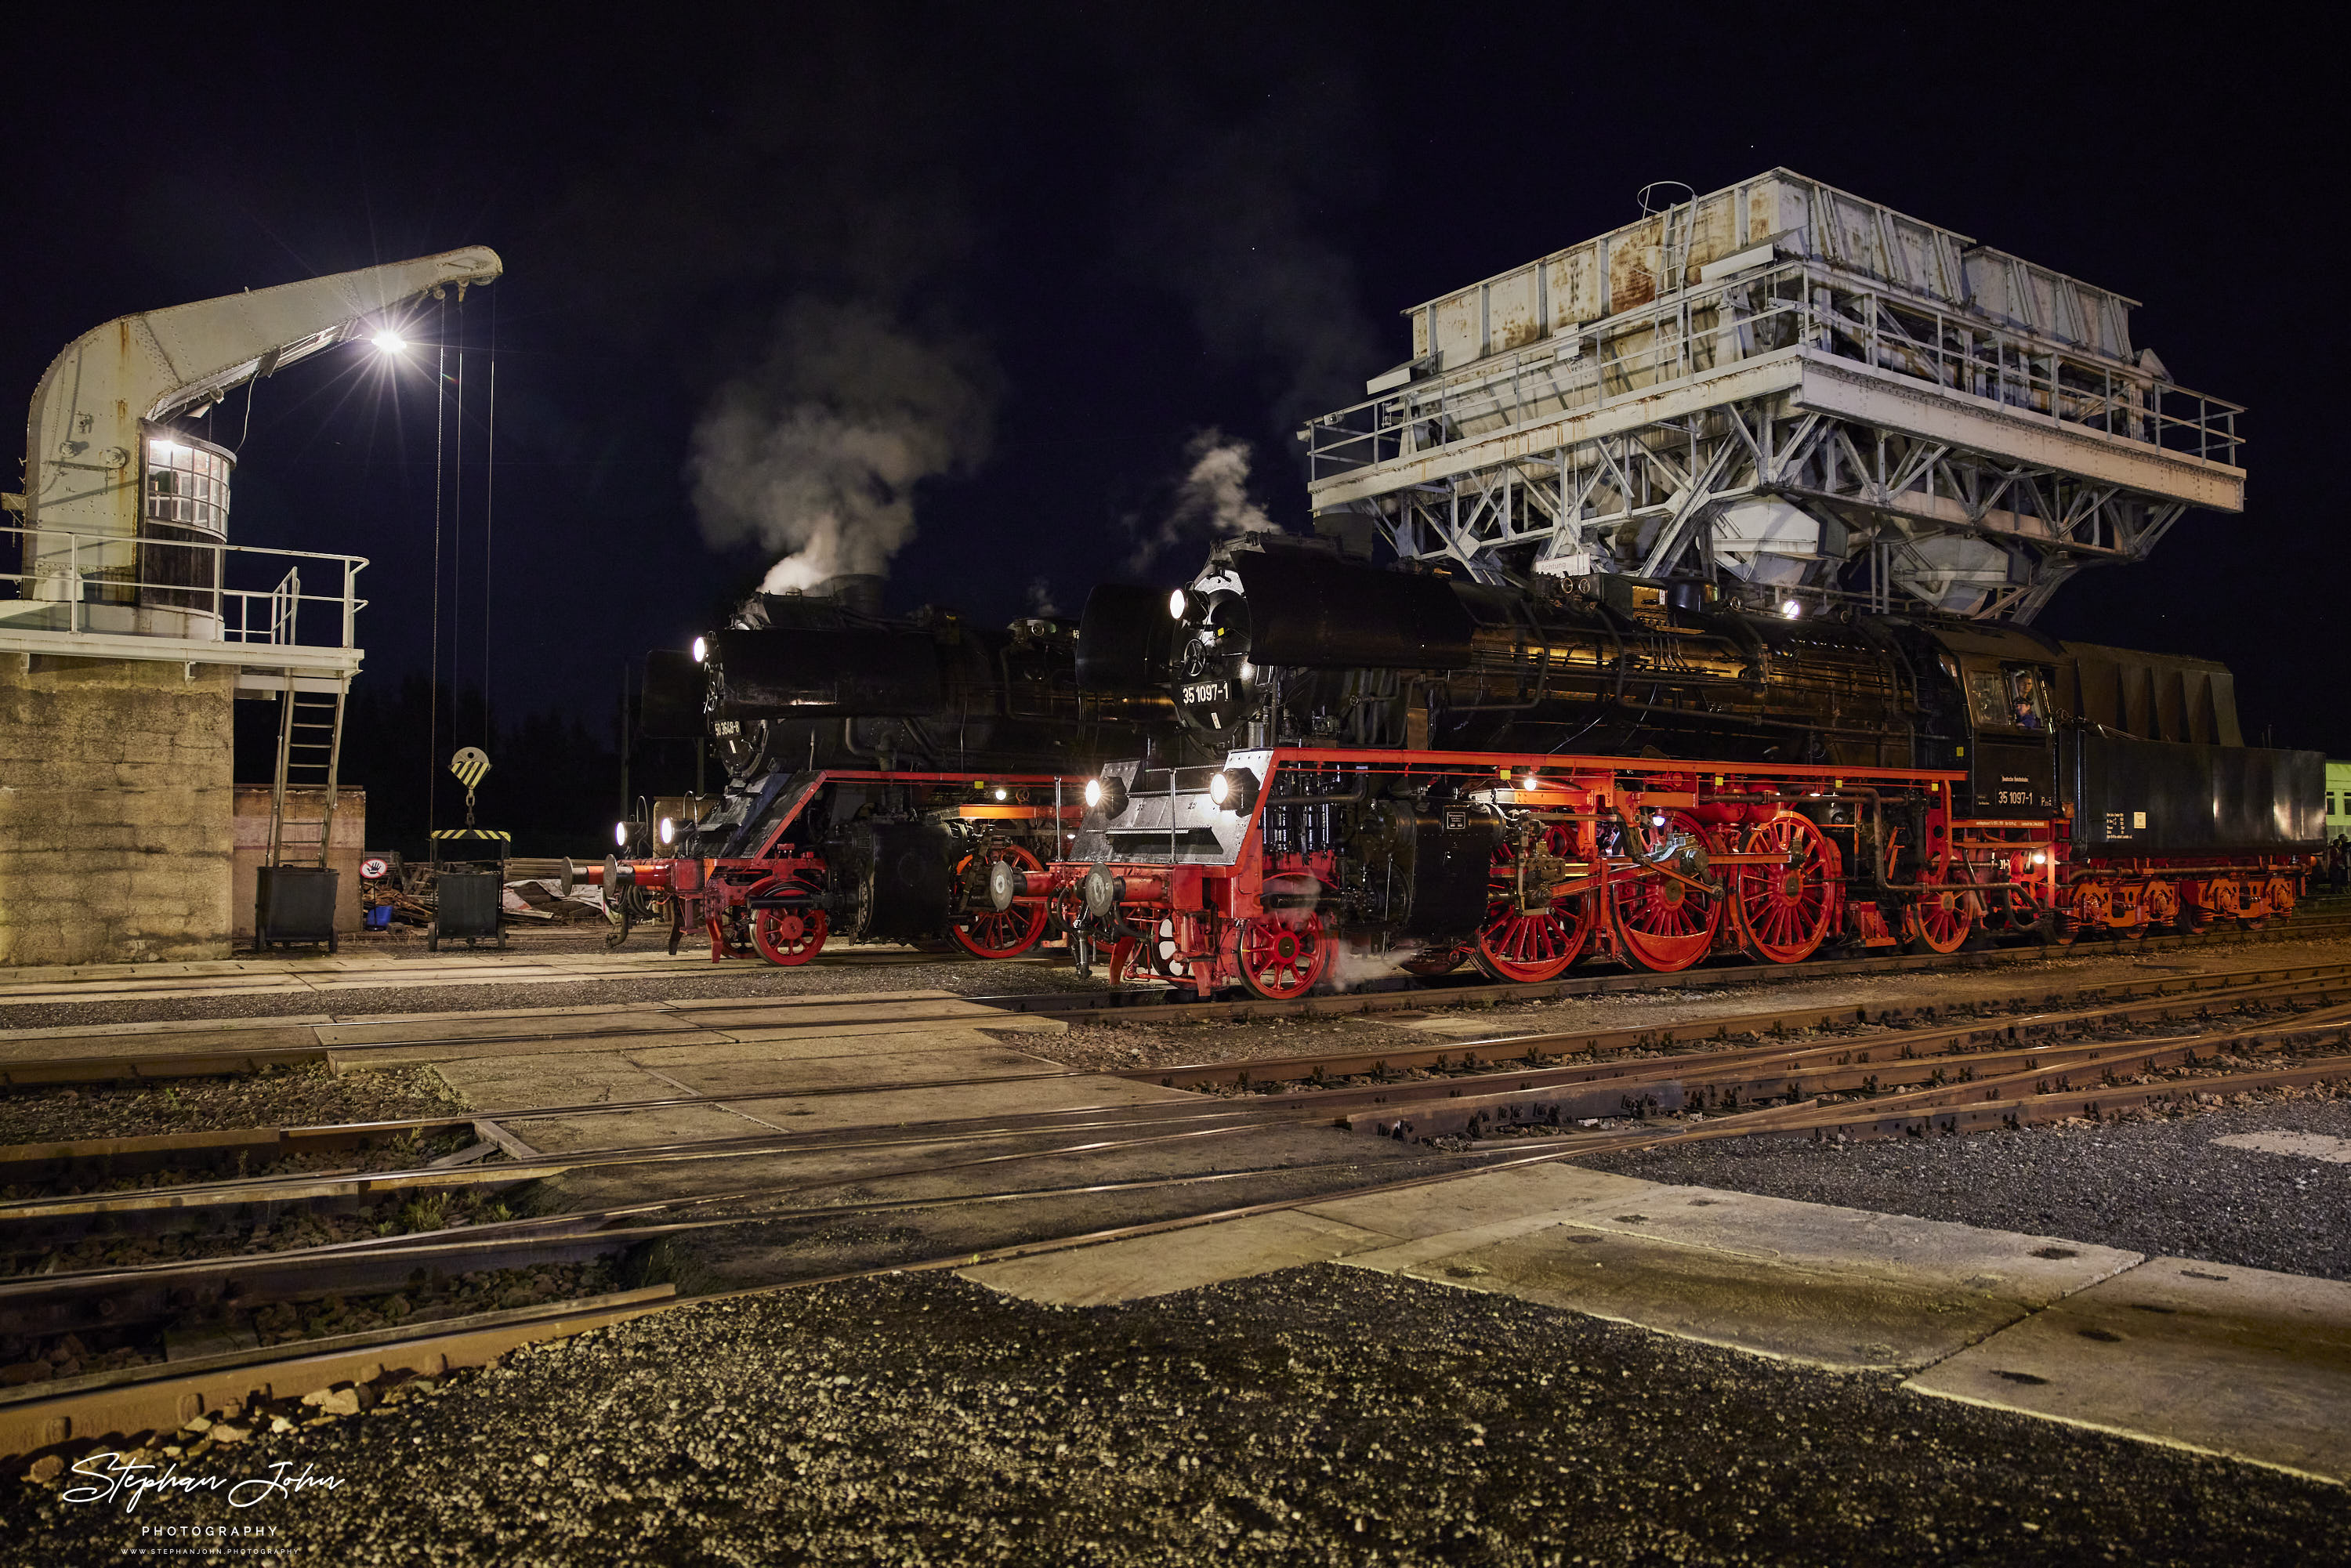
<point>879,771</point>
<point>1521,774</point>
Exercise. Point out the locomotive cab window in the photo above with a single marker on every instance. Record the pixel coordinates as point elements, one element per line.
<point>2011,698</point>
<point>2027,704</point>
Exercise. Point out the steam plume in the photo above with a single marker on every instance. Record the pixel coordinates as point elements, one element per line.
<point>1212,502</point>
<point>816,453</point>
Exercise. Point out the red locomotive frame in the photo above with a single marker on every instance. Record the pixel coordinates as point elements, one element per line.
<point>771,903</point>
<point>1618,857</point>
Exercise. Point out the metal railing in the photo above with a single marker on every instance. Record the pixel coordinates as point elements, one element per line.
<point>99,584</point>
<point>1799,305</point>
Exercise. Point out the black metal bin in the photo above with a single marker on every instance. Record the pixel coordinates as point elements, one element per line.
<point>295,904</point>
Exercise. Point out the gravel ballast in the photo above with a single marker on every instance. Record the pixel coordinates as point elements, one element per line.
<point>2158,1186</point>
<point>1320,1416</point>
<point>299,1096</point>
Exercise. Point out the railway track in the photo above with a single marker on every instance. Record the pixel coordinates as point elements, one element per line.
<point>1158,1005</point>
<point>233,1047</point>
<point>1869,1078</point>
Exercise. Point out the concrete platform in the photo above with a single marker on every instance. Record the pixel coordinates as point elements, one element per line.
<point>327,974</point>
<point>1836,1288</point>
<point>2237,1362</point>
<point>771,1027</point>
<point>2234,1362</point>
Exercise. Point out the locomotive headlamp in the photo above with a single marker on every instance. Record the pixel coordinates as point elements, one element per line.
<point>1110,794</point>
<point>1220,790</point>
<point>1791,609</point>
<point>1529,782</point>
<point>390,342</point>
<point>668,831</point>
<point>1093,792</point>
<point>1176,604</point>
<point>1004,794</point>
<point>620,834</point>
<point>700,649</point>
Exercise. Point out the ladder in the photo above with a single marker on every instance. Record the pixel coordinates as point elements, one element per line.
<point>309,746</point>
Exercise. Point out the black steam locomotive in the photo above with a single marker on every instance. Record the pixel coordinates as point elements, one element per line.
<point>878,771</point>
<point>1644,771</point>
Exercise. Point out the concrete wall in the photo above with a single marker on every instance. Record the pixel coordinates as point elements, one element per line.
<point>346,848</point>
<point>115,811</point>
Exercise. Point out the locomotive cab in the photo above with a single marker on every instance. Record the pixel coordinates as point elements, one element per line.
<point>2000,708</point>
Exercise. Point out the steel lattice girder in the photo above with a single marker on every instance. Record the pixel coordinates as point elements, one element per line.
<point>1635,497</point>
<point>1905,428</point>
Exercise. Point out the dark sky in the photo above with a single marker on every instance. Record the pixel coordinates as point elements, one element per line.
<point>1056,245</point>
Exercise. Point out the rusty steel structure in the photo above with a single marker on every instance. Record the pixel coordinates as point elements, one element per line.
<point>1799,396</point>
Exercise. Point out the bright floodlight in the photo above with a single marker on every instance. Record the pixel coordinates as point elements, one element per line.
<point>1529,782</point>
<point>1791,609</point>
<point>1004,794</point>
<point>1175,602</point>
<point>1093,792</point>
<point>700,649</point>
<point>390,342</point>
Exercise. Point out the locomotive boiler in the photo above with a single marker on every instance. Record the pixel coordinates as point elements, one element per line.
<point>1524,772</point>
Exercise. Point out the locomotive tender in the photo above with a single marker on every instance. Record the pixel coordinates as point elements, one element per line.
<point>1520,774</point>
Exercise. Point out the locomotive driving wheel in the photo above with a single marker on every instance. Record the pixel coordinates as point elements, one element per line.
<point>983,930</point>
<point>1786,908</point>
<point>1944,916</point>
<point>789,936</point>
<point>1528,940</point>
<point>1665,918</point>
<point>1281,956</point>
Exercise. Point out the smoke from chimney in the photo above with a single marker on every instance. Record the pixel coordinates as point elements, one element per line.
<point>818,453</point>
<point>1211,503</point>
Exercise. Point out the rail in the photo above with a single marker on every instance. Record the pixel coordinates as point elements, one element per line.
<point>77,584</point>
<point>1798,305</point>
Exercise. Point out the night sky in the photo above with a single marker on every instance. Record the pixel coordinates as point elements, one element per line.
<point>1042,256</point>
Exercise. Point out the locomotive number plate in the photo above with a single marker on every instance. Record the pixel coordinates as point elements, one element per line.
<point>1205,692</point>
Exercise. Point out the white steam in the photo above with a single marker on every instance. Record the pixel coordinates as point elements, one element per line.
<point>1040,597</point>
<point>818,453</point>
<point>1212,502</point>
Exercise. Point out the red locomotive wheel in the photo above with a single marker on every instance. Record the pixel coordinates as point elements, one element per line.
<point>1664,924</point>
<point>1786,908</point>
<point>1944,916</point>
<point>787,936</point>
<point>987,932</point>
<point>1527,946</point>
<point>1279,960</point>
